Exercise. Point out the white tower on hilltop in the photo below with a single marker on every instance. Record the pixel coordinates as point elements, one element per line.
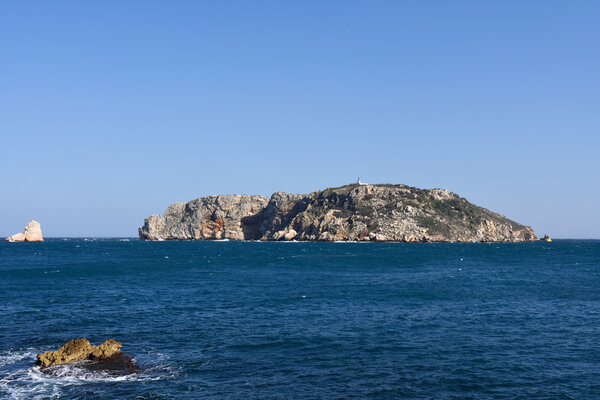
<point>358,182</point>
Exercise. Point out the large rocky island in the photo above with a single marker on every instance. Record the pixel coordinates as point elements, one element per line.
<point>355,212</point>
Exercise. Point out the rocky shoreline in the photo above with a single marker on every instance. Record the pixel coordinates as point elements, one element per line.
<point>358,212</point>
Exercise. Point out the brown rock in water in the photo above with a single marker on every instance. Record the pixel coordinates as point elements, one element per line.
<point>32,233</point>
<point>79,350</point>
<point>106,350</point>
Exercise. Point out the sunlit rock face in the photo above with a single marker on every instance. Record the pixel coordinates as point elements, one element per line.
<point>32,233</point>
<point>79,350</point>
<point>234,217</point>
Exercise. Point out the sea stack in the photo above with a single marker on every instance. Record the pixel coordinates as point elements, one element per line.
<point>356,212</point>
<point>32,233</point>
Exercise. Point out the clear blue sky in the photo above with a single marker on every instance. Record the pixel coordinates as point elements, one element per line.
<point>111,110</point>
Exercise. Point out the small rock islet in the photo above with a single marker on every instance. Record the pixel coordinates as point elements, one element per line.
<point>32,233</point>
<point>107,356</point>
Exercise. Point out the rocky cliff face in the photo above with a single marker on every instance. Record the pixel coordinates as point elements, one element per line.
<point>353,212</point>
<point>235,217</point>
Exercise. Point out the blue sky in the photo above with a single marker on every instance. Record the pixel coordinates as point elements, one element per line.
<point>111,110</point>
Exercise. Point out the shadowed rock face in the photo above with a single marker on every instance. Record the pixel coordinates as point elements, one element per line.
<point>32,233</point>
<point>353,212</point>
<point>79,350</point>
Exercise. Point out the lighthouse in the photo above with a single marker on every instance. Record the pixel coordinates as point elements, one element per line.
<point>358,182</point>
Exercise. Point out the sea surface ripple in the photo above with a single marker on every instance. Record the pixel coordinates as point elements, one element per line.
<point>252,320</point>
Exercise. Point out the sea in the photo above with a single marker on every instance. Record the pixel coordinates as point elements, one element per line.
<point>297,320</point>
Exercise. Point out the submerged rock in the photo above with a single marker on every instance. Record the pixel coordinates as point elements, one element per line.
<point>76,350</point>
<point>32,233</point>
<point>358,212</point>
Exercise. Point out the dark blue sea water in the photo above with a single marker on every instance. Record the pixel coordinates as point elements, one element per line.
<point>214,320</point>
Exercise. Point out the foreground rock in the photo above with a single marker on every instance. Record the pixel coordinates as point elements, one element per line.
<point>107,355</point>
<point>352,212</point>
<point>32,233</point>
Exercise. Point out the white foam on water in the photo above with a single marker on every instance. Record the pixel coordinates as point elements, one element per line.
<point>11,357</point>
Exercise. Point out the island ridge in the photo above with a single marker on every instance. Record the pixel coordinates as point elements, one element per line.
<point>380,213</point>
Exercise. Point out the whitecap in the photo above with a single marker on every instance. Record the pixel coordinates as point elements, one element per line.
<point>11,357</point>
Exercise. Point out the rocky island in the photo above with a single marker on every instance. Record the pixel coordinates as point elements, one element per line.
<point>357,212</point>
<point>32,233</point>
